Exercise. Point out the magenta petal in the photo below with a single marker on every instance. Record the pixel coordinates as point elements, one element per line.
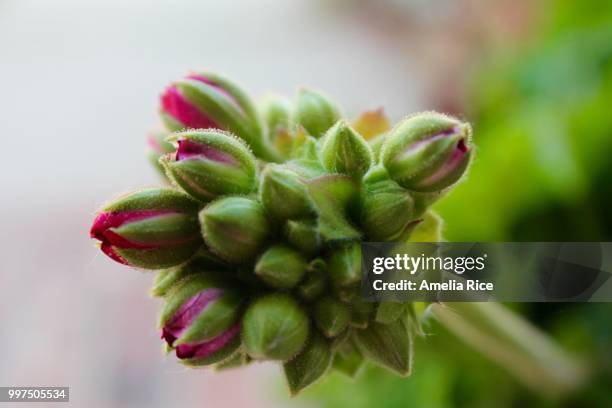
<point>110,252</point>
<point>175,105</point>
<point>454,160</point>
<point>187,313</point>
<point>188,149</point>
<point>207,348</point>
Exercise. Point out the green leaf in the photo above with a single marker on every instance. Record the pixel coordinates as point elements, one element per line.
<point>309,365</point>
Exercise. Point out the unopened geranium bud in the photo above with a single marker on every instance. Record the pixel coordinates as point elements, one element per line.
<point>206,100</point>
<point>315,112</point>
<point>234,228</point>
<point>345,151</point>
<point>152,228</point>
<point>308,366</point>
<point>275,327</point>
<point>211,163</point>
<point>281,267</point>
<point>201,320</point>
<point>157,147</point>
<point>304,235</point>
<point>427,152</point>
<point>344,264</point>
<point>386,208</point>
<point>283,193</point>
<point>388,345</point>
<point>331,316</point>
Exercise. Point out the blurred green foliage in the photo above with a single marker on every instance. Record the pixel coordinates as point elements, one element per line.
<point>542,115</point>
<point>543,128</point>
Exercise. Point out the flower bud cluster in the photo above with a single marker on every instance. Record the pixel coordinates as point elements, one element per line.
<point>258,238</point>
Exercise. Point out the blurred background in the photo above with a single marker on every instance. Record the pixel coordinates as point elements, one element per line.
<point>78,92</point>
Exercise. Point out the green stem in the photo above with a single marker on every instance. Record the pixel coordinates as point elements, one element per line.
<point>515,344</point>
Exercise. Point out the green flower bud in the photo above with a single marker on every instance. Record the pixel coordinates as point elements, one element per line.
<point>151,228</point>
<point>427,152</point>
<point>331,316</point>
<point>281,267</point>
<point>386,208</point>
<point>388,345</point>
<point>283,194</point>
<point>234,228</point>
<point>315,281</point>
<point>304,235</point>
<point>211,163</point>
<point>345,151</point>
<point>275,327</point>
<point>344,265</point>
<point>315,112</point>
<point>309,365</point>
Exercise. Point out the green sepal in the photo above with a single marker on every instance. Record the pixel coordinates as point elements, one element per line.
<point>274,327</point>
<point>388,312</point>
<point>283,194</point>
<point>162,198</point>
<point>220,355</point>
<point>281,267</point>
<point>344,264</point>
<point>236,360</point>
<point>347,359</point>
<point>315,112</point>
<point>331,316</point>
<point>161,230</point>
<point>388,345</point>
<point>309,365</point>
<point>159,258</point>
<point>376,145</point>
<point>315,281</point>
<point>234,228</point>
<point>332,197</point>
<point>303,235</point>
<point>386,208</point>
